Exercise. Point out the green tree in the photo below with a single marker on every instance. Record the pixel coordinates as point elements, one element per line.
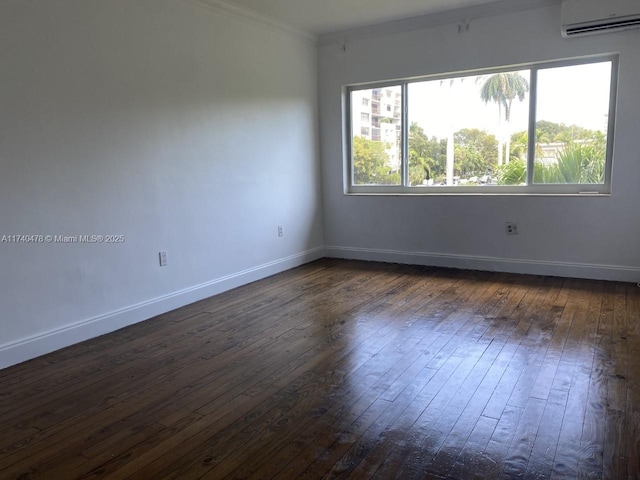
<point>549,132</point>
<point>426,156</point>
<point>512,173</point>
<point>469,162</point>
<point>572,136</point>
<point>503,89</point>
<point>371,163</point>
<point>579,162</point>
<point>475,151</point>
<point>519,145</point>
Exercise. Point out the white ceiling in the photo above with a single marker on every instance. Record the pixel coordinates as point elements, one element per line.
<point>320,17</point>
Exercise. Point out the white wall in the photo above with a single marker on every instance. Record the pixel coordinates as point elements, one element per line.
<point>184,128</point>
<point>590,237</point>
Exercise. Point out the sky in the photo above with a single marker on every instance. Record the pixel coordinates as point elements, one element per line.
<point>573,95</point>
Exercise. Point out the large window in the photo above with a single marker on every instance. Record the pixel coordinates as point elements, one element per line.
<point>540,128</point>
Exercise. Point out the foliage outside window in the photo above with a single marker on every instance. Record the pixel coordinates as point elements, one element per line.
<point>542,128</point>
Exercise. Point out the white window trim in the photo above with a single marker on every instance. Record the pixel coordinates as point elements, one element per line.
<point>531,188</point>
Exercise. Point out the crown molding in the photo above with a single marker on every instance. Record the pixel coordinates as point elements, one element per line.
<point>254,17</point>
<point>434,19</point>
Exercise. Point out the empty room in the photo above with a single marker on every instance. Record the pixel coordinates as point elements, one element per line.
<point>256,239</point>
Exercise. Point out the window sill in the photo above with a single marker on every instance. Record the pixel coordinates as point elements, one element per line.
<point>483,193</point>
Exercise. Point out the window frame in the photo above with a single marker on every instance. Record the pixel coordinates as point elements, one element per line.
<point>530,188</point>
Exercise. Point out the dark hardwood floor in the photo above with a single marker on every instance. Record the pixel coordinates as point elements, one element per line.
<point>344,369</point>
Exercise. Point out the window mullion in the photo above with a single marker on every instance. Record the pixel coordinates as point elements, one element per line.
<point>404,147</point>
<point>531,137</point>
<point>613,87</point>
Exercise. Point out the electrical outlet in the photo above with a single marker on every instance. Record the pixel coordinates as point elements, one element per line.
<point>280,232</point>
<point>163,258</point>
<point>511,228</point>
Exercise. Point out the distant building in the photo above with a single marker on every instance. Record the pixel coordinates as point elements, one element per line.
<point>377,115</point>
<point>547,153</point>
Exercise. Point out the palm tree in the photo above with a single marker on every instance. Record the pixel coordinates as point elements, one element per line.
<point>450,136</point>
<point>503,88</point>
<point>582,162</point>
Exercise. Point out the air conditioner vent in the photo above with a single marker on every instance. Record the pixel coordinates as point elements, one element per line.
<point>599,28</point>
<point>588,17</point>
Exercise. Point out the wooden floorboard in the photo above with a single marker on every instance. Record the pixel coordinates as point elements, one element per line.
<point>345,369</point>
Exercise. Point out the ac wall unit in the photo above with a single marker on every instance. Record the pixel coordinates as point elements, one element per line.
<point>588,17</point>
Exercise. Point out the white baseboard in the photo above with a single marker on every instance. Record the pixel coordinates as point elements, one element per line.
<point>491,264</point>
<point>43,343</point>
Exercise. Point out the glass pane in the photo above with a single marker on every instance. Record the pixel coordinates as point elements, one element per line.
<point>469,131</point>
<point>572,120</point>
<point>376,126</point>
